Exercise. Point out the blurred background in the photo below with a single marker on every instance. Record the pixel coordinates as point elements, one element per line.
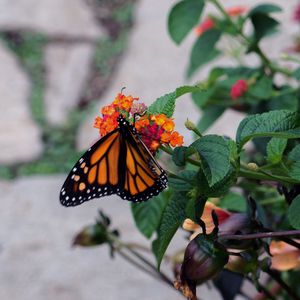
<point>60,62</point>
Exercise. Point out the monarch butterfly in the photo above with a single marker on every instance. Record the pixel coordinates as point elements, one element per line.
<point>119,163</point>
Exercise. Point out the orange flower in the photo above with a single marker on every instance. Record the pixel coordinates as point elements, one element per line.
<point>154,145</point>
<point>108,110</point>
<point>206,25</point>
<point>168,125</point>
<point>236,10</point>
<point>98,122</point>
<point>284,256</point>
<point>165,137</point>
<point>206,217</point>
<point>142,122</point>
<point>176,139</point>
<point>124,102</point>
<point>159,119</point>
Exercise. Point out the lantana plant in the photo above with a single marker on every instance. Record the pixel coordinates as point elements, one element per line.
<point>239,208</point>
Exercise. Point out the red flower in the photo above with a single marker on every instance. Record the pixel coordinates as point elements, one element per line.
<point>296,16</point>
<point>206,25</point>
<point>238,89</point>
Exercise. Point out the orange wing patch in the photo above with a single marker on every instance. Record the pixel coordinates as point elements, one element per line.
<point>139,176</point>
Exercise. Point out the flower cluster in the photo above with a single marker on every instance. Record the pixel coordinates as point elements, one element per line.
<point>154,130</point>
<point>209,22</point>
<point>238,89</point>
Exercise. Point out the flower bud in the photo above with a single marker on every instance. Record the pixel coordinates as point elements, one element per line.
<point>203,259</point>
<point>91,235</point>
<point>189,125</point>
<point>238,89</point>
<point>252,166</point>
<point>237,223</point>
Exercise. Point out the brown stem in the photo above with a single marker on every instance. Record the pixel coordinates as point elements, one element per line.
<point>260,235</point>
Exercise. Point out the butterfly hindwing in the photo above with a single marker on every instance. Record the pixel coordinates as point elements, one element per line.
<point>119,163</point>
<point>144,178</point>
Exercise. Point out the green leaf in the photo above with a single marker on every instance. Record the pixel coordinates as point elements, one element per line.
<point>147,215</point>
<point>209,116</point>
<point>275,149</point>
<point>204,50</point>
<point>277,123</point>
<point>184,181</point>
<point>166,104</point>
<point>296,74</point>
<point>195,207</point>
<point>287,98</point>
<point>294,156</point>
<point>263,25</point>
<point>180,155</point>
<point>220,188</point>
<point>262,88</point>
<point>265,8</point>
<point>183,17</point>
<point>215,156</point>
<point>234,202</point>
<point>173,216</point>
<point>294,213</point>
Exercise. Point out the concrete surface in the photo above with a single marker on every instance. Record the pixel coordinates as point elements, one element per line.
<point>19,135</point>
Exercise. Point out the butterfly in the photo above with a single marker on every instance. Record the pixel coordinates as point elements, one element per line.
<point>118,163</point>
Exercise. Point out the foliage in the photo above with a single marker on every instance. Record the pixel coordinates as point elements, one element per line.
<point>227,196</point>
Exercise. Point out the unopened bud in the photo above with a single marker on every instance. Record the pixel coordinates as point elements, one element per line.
<point>252,166</point>
<point>190,125</point>
<point>203,259</point>
<point>91,235</point>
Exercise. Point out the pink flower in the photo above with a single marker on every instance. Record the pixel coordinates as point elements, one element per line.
<point>207,24</point>
<point>238,89</point>
<point>296,16</point>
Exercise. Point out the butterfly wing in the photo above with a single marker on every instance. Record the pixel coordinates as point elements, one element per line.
<point>118,163</point>
<point>97,172</point>
<point>144,178</point>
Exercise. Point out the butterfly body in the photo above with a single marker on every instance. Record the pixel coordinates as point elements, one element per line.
<point>119,163</point>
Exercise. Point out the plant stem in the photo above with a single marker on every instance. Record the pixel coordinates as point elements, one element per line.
<point>136,264</point>
<point>260,235</point>
<point>261,175</point>
<point>286,239</point>
<point>190,160</point>
<point>275,276</point>
<point>163,276</point>
<point>119,245</point>
<point>271,201</point>
<point>265,60</point>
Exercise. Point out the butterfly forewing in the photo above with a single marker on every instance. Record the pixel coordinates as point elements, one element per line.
<point>96,173</point>
<point>119,163</point>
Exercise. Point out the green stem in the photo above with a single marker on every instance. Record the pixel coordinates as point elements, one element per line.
<point>271,201</point>
<point>265,60</point>
<point>262,175</point>
<point>188,159</point>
